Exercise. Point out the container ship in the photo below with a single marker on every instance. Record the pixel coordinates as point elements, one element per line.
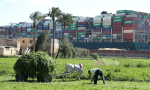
<point>127,29</point>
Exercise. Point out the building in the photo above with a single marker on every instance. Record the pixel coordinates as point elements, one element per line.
<point>11,48</point>
<point>49,46</point>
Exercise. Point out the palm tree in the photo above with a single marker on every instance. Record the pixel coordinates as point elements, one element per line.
<point>55,12</point>
<point>66,20</point>
<point>35,17</point>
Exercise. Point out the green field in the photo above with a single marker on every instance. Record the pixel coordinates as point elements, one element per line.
<point>120,74</point>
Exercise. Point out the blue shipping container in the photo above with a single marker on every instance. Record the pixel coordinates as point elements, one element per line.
<point>147,23</point>
<point>108,35</point>
<point>82,38</point>
<point>40,22</point>
<point>106,29</point>
<point>96,27</point>
<point>39,26</point>
<point>143,26</point>
<point>38,32</point>
<point>15,27</point>
<point>82,25</point>
<point>58,36</point>
<point>24,30</point>
<point>66,29</point>
<point>29,27</point>
<point>58,32</point>
<point>138,28</point>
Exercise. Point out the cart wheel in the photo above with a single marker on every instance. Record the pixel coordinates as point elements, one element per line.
<point>17,78</point>
<point>40,79</point>
<point>48,78</point>
<point>23,78</point>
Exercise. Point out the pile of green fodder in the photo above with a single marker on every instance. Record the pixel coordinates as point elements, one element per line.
<point>34,65</point>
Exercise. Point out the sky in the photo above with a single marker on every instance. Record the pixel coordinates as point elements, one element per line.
<point>16,11</point>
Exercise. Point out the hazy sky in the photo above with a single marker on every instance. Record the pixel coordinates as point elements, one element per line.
<point>19,10</point>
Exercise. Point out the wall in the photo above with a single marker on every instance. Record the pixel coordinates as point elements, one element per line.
<point>1,51</point>
<point>49,46</point>
<point>26,42</point>
<point>119,53</point>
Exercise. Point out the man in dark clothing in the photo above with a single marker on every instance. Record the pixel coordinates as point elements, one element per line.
<point>95,73</point>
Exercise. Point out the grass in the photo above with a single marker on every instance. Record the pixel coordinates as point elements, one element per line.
<point>118,77</point>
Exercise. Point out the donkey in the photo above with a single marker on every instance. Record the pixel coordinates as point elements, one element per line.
<point>70,68</point>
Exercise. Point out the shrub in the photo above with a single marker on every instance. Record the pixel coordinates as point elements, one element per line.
<point>34,64</point>
<point>126,65</point>
<point>95,56</point>
<point>141,65</point>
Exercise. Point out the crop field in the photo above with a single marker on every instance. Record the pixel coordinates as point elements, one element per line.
<point>119,73</point>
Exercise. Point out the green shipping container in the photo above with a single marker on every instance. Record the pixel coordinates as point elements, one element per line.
<point>124,11</point>
<point>73,28</point>
<point>97,24</point>
<point>117,20</point>
<point>114,37</point>
<point>50,34</point>
<point>103,35</point>
<point>118,17</point>
<point>74,25</point>
<point>129,22</point>
<point>119,34</point>
<point>137,12</point>
<point>107,37</point>
<point>71,35</point>
<point>132,13</point>
<point>19,33</point>
<point>107,26</point>
<point>33,29</point>
<point>28,35</point>
<point>45,25</point>
<point>94,37</point>
<point>78,38</point>
<point>81,33</point>
<point>145,17</point>
<point>98,37</point>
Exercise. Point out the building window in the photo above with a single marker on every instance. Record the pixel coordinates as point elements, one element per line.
<point>125,48</point>
<point>23,41</point>
<point>145,48</point>
<point>128,48</point>
<point>30,41</point>
<point>141,48</point>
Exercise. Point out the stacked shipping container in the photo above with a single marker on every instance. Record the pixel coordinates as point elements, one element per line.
<point>96,33</point>
<point>117,27</point>
<point>107,26</point>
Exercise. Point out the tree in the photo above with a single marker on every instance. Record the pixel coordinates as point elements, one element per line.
<point>2,40</point>
<point>42,39</point>
<point>66,47</point>
<point>55,12</point>
<point>35,17</point>
<point>66,20</point>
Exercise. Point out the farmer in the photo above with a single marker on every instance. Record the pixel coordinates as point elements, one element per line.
<point>96,72</point>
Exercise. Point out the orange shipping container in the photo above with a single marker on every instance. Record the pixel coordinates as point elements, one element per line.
<point>98,35</point>
<point>106,32</point>
<point>128,28</point>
